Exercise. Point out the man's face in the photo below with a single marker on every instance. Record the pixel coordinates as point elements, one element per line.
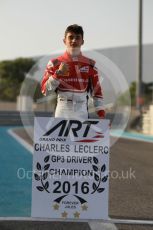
<point>73,41</point>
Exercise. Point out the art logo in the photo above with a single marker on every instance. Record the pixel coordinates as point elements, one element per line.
<point>65,128</point>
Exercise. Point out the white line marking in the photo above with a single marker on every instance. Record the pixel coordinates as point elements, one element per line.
<point>103,226</point>
<point>20,140</point>
<point>115,221</point>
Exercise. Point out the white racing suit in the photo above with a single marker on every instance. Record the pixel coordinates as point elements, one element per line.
<point>71,105</point>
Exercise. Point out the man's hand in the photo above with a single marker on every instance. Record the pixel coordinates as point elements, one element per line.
<point>101,114</point>
<point>63,69</point>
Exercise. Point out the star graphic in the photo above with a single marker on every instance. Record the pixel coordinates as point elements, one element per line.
<point>64,214</point>
<point>76,215</point>
<point>84,207</point>
<point>56,206</point>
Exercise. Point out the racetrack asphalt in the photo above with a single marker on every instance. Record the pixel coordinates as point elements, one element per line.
<point>131,180</point>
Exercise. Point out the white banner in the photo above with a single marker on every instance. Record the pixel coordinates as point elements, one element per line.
<point>71,166</point>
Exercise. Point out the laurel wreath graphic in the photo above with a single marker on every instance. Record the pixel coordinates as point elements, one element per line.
<point>98,176</point>
<point>42,176</point>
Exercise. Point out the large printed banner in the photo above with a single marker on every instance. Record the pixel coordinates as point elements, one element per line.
<point>71,166</point>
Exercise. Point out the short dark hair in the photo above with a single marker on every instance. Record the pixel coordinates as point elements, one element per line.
<point>75,29</point>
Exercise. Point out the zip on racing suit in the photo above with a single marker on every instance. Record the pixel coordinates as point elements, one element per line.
<point>72,88</point>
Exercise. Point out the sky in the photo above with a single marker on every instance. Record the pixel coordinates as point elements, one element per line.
<point>36,27</point>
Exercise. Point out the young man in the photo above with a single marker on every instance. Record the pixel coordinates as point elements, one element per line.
<point>73,76</point>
